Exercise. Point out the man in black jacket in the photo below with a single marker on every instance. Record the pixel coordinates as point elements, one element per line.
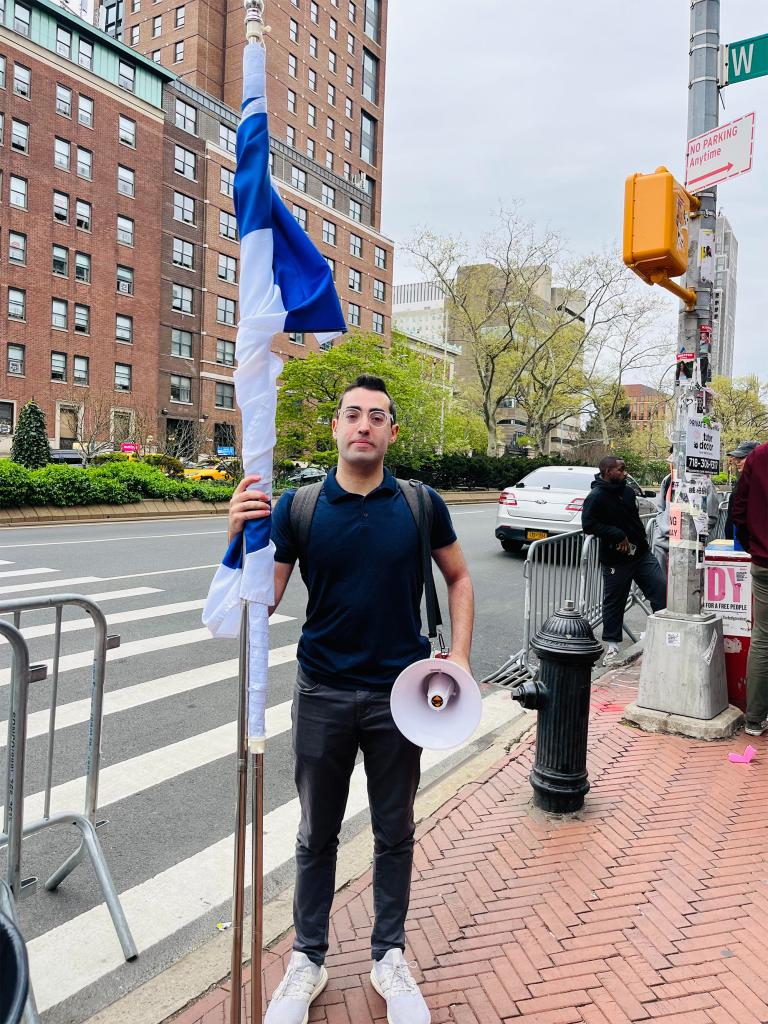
<point>610,513</point>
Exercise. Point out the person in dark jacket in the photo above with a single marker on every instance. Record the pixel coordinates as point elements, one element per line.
<point>739,456</point>
<point>750,517</point>
<point>610,513</point>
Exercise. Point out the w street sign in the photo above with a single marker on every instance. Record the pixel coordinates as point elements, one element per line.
<point>745,59</point>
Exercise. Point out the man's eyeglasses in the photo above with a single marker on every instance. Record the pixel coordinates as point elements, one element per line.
<point>376,417</point>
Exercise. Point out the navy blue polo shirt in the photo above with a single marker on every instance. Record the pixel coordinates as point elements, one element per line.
<point>361,570</point>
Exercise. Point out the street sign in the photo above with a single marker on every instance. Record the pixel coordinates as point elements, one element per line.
<point>127,446</point>
<point>722,153</point>
<point>745,59</point>
<point>702,445</point>
<point>223,450</point>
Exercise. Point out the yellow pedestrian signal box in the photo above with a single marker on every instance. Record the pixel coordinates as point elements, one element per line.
<point>656,213</point>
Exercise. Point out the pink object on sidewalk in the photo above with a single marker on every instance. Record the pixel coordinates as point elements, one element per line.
<point>745,758</point>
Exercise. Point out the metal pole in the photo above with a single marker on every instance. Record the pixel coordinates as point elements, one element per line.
<point>257,882</point>
<point>238,890</point>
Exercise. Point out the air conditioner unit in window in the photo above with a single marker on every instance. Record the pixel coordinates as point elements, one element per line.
<point>360,180</point>
<point>124,286</point>
<point>15,366</point>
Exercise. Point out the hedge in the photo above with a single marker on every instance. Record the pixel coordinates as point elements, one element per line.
<point>112,483</point>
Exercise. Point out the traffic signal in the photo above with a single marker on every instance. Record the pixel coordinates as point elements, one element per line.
<point>656,213</point>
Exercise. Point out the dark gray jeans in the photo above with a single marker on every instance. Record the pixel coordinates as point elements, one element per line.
<point>329,727</point>
<point>757,663</point>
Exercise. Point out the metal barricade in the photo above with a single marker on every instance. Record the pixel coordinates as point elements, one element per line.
<point>722,517</point>
<point>86,821</point>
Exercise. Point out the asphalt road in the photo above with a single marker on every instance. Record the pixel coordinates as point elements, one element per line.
<point>167,778</point>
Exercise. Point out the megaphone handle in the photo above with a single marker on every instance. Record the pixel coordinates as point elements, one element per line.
<point>444,651</point>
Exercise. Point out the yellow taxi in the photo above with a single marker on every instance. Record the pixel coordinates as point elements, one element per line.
<point>220,472</point>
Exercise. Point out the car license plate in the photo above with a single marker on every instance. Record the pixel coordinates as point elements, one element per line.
<point>535,534</point>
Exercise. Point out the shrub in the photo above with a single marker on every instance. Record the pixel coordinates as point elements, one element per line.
<point>99,460</point>
<point>169,465</point>
<point>15,484</point>
<point>30,445</point>
<point>107,491</point>
<point>63,486</point>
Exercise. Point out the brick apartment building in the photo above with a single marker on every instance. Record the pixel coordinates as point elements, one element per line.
<point>129,319</point>
<point>646,405</point>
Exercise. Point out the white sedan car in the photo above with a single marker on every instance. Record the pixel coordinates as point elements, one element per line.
<point>548,502</point>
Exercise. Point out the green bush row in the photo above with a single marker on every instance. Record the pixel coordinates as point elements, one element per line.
<point>113,483</point>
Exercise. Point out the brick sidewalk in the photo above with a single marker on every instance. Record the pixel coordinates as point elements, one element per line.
<point>650,905</point>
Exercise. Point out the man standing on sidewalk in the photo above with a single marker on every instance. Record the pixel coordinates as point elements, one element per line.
<point>739,456</point>
<point>610,513</point>
<point>361,565</point>
<point>750,517</point>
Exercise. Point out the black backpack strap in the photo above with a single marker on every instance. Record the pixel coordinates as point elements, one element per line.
<point>423,512</point>
<point>302,509</point>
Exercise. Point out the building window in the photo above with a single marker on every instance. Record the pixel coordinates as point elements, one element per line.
<point>299,178</point>
<point>126,181</point>
<point>352,11</point>
<point>227,225</point>
<point>184,162</point>
<point>313,47</point>
<point>63,42</point>
<point>85,54</point>
<point>355,210</point>
<point>17,247</point>
<point>61,207</point>
<point>293,67</point>
<point>183,208</point>
<point>350,75</point>
<point>355,245</point>
<point>332,266</point>
<point>59,314</point>
<point>333,27</point>
<point>291,101</point>
<point>21,19</point>
<point>123,374</point>
<point>379,290</point>
<point>18,193</point>
<point>225,395</point>
<point>126,75</point>
<point>181,389</point>
<point>181,343</point>
<point>311,149</point>
<point>155,56</point>
<point>347,139</point>
<point>311,115</point>
<point>85,111</point>
<point>226,182</point>
<point>60,260</point>
<point>355,280</point>
<point>178,52</point>
<point>330,128</point>
<point>349,108</point>
<point>181,300</point>
<point>83,267</point>
<point>126,131</point>
<point>367,138</point>
<point>180,17</point>
<point>228,138</point>
<point>124,328</point>
<point>328,195</point>
<point>227,268</point>
<point>58,366</point>
<point>157,25</point>
<point>225,352</point>
<point>183,254</point>
<point>329,160</point>
<point>17,304</point>
<point>314,13</point>
<point>312,80</point>
<point>20,136</point>
<point>83,216</point>
<point>378,323</point>
<point>63,101</point>
<point>380,257</point>
<point>61,154</point>
<point>329,232</point>
<point>350,43</point>
<point>125,230</point>
<point>22,80</point>
<point>2,71</point>
<point>296,337</point>
<point>125,280</point>
<point>332,61</point>
<point>84,163</point>
<point>80,370</point>
<point>290,135</point>
<point>354,314</point>
<point>370,77</point>
<point>17,360</point>
<point>331,94</point>
<point>372,23</point>
<point>186,117</point>
<point>225,310</point>
<point>134,35</point>
<point>301,215</point>
<point>293,30</point>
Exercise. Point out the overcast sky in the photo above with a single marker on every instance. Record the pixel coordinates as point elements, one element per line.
<point>554,103</point>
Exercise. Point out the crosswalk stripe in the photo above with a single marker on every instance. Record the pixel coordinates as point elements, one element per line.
<point>118,595</point>
<point>25,572</point>
<point>183,893</point>
<point>146,645</point>
<point>113,540</point>
<point>115,619</point>
<point>137,774</point>
<point>49,584</point>
<point>60,584</point>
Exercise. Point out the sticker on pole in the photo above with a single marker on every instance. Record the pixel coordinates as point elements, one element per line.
<point>720,154</point>
<point>702,445</point>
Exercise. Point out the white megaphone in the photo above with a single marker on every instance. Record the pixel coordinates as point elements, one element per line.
<point>436,704</point>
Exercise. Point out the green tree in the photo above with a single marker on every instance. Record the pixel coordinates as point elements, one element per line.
<point>311,388</point>
<point>30,445</point>
<point>740,405</point>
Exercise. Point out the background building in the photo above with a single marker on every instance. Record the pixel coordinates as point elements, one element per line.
<point>420,311</point>
<point>646,405</point>
<point>724,298</point>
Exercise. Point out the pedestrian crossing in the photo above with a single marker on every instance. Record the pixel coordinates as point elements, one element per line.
<point>168,757</point>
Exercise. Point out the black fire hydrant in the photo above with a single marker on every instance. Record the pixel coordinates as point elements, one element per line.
<point>567,650</point>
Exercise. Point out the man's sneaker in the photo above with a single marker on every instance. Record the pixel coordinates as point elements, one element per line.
<point>302,982</point>
<point>611,655</point>
<point>392,979</point>
<point>756,729</point>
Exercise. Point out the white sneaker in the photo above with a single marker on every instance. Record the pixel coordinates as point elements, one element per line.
<point>392,979</point>
<point>756,730</point>
<point>611,655</point>
<point>302,982</point>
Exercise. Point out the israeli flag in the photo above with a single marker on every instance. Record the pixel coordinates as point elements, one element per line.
<point>285,285</point>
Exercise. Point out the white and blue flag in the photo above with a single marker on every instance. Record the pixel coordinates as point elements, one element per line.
<point>285,285</point>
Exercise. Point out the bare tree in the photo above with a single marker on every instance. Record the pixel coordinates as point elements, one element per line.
<point>92,420</point>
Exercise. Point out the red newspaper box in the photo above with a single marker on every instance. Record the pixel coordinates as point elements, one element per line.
<point>728,592</point>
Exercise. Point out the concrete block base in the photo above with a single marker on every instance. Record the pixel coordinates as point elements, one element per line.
<point>726,724</point>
